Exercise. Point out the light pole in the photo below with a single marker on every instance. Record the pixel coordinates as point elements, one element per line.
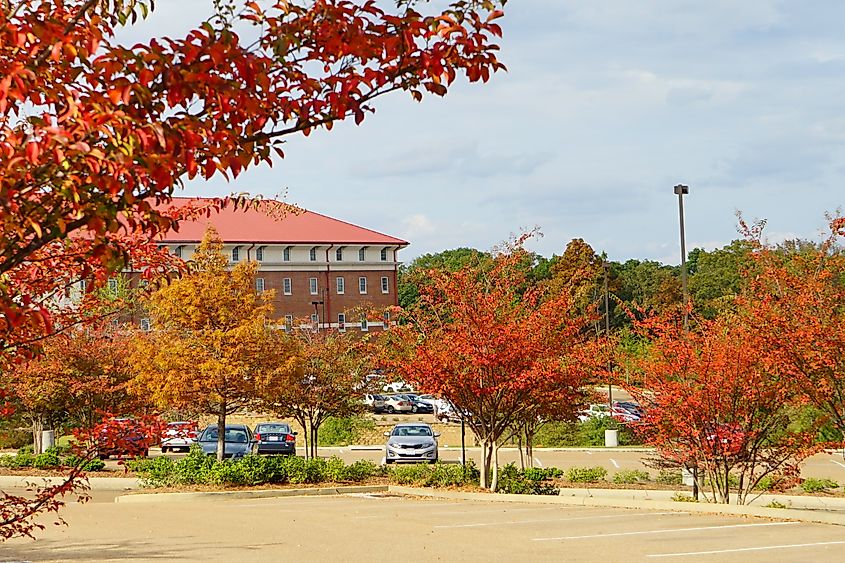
<point>681,190</point>
<point>606,267</point>
<point>317,312</point>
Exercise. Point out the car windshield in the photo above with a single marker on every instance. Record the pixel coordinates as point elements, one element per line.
<point>234,435</point>
<point>412,431</point>
<point>280,428</point>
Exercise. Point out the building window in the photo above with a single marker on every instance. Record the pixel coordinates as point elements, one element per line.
<point>362,285</point>
<point>386,318</point>
<point>384,255</point>
<point>341,322</point>
<point>113,285</point>
<point>286,286</point>
<point>259,253</point>
<point>312,285</point>
<point>312,255</point>
<point>83,286</point>
<point>178,251</point>
<point>145,325</point>
<point>362,253</point>
<point>364,326</point>
<point>288,322</point>
<point>338,254</point>
<point>340,286</point>
<point>259,284</point>
<point>236,254</point>
<point>385,284</point>
<point>314,320</point>
<point>286,254</point>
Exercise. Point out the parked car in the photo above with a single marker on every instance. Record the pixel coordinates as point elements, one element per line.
<point>445,411</point>
<point>411,442</point>
<point>123,437</point>
<point>274,438</point>
<point>374,402</point>
<point>397,387</point>
<point>593,411</point>
<point>396,403</point>
<point>238,440</point>
<point>418,406</point>
<point>430,399</point>
<point>178,435</point>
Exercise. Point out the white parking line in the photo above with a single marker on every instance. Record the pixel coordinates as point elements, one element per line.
<point>839,463</point>
<point>538,462</point>
<point>667,531</point>
<point>513,522</point>
<point>502,510</point>
<point>616,465</point>
<point>741,549</point>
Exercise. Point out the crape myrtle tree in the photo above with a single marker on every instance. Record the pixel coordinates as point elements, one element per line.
<point>796,303</point>
<point>323,376</point>
<point>95,136</point>
<point>210,341</point>
<point>714,400</point>
<point>493,346</point>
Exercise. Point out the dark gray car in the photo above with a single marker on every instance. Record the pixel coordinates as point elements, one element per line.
<point>274,438</point>
<point>238,440</point>
<point>411,442</point>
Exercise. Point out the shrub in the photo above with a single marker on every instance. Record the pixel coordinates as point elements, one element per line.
<point>46,460</point>
<point>669,477</point>
<point>776,504</point>
<point>592,432</point>
<point>18,461</point>
<point>683,497</point>
<point>586,474</point>
<point>812,485</point>
<point>26,449</point>
<point>630,476</point>
<point>515,481</point>
<point>437,475</point>
<point>542,473</point>
<point>91,465</point>
<point>337,431</point>
<point>558,435</point>
<point>155,472</point>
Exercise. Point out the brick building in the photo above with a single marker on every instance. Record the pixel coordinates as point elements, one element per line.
<point>321,268</point>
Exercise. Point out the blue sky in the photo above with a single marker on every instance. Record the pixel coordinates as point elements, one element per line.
<point>605,106</point>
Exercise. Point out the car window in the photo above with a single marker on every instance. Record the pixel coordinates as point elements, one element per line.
<point>412,431</point>
<point>280,428</point>
<point>210,434</point>
<point>236,436</point>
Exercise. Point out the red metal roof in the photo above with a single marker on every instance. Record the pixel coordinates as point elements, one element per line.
<point>253,225</point>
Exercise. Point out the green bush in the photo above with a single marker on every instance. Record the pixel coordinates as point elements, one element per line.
<point>586,474</point>
<point>582,434</point>
<point>26,449</point>
<point>542,473</point>
<point>669,477</point>
<point>91,465</point>
<point>516,481</point>
<point>812,485</point>
<point>47,460</point>
<point>437,475</point>
<point>631,476</point>
<point>558,435</point>
<point>683,497</point>
<point>18,461</point>
<point>336,431</point>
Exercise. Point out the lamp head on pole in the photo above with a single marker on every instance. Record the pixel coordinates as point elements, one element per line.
<point>681,189</point>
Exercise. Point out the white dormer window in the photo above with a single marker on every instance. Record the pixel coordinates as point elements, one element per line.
<point>312,255</point>
<point>286,254</point>
<point>338,254</point>
<point>236,254</point>
<point>384,255</point>
<point>259,253</point>
<point>362,254</point>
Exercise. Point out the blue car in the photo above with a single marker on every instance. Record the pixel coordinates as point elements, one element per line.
<point>238,440</point>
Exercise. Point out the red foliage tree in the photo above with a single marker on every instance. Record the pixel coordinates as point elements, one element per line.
<point>95,136</point>
<point>494,346</point>
<point>714,402</point>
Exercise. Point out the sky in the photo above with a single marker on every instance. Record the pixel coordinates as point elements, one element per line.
<point>604,108</point>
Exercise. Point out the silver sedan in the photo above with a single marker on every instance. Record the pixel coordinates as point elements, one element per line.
<point>411,442</point>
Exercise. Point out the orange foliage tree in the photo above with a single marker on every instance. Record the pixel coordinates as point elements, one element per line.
<point>210,341</point>
<point>796,303</point>
<point>715,403</point>
<point>495,346</point>
<point>324,376</point>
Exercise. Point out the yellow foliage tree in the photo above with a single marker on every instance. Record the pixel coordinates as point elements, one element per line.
<point>211,339</point>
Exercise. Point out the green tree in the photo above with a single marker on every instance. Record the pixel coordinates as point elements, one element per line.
<point>414,275</point>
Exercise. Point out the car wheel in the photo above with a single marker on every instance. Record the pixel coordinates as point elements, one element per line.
<point>414,409</point>
<point>390,409</point>
<point>103,456</point>
<point>388,461</point>
<point>164,449</point>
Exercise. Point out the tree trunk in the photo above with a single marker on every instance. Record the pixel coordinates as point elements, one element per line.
<point>306,435</point>
<point>315,428</point>
<point>495,484</point>
<point>519,446</point>
<point>485,465</point>
<point>529,448</point>
<point>221,431</point>
<point>37,428</point>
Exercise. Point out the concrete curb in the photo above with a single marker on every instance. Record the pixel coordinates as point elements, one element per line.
<point>636,504</point>
<point>230,495</point>
<point>96,483</point>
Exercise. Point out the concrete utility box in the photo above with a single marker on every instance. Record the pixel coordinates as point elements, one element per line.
<point>611,438</point>
<point>48,440</point>
<point>686,477</point>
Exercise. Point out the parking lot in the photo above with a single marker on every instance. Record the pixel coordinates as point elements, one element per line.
<point>389,528</point>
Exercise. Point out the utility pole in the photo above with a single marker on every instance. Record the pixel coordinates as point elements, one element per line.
<point>606,267</point>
